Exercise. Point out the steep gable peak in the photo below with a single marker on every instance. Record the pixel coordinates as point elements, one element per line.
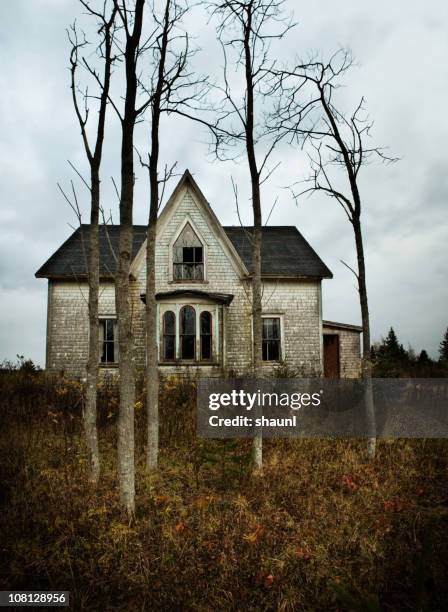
<point>188,184</point>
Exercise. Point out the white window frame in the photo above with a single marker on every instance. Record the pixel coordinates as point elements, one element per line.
<point>110,364</point>
<point>276,315</point>
<point>199,307</point>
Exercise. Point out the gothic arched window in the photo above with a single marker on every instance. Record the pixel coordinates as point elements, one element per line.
<point>187,332</point>
<point>206,335</point>
<point>169,335</point>
<point>188,256</point>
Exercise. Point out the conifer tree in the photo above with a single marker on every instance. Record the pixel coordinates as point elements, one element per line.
<point>443,350</point>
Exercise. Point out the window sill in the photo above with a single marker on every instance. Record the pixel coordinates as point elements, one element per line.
<point>108,366</point>
<point>188,281</point>
<point>194,364</point>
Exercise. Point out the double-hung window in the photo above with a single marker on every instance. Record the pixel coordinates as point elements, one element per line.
<point>271,339</point>
<point>108,341</point>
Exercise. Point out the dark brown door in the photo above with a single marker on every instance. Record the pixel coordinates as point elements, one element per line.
<point>331,355</point>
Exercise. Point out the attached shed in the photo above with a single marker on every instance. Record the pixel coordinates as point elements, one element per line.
<point>342,350</point>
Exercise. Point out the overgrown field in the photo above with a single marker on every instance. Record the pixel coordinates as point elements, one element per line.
<point>321,530</point>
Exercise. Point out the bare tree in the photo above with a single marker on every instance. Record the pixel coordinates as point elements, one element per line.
<point>106,22</point>
<point>172,87</point>
<point>246,29</point>
<point>307,114</point>
<point>132,23</point>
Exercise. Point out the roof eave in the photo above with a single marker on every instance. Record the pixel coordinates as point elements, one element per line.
<point>72,277</point>
<point>346,326</point>
<point>292,276</point>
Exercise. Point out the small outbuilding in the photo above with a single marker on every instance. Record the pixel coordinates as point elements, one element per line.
<point>342,349</point>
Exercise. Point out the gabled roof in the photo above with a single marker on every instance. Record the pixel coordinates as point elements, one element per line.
<point>187,182</point>
<point>284,252</point>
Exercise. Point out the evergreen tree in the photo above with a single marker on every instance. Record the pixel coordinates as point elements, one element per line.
<point>443,350</point>
<point>393,348</point>
<point>423,358</point>
<point>391,359</point>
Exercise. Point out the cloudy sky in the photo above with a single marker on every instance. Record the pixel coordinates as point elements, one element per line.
<point>401,48</point>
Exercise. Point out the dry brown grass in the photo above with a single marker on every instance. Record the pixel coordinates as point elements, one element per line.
<point>321,530</point>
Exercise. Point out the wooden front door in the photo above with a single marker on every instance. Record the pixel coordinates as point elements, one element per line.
<point>331,356</point>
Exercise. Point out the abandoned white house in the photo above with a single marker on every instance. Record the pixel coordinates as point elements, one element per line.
<point>203,295</point>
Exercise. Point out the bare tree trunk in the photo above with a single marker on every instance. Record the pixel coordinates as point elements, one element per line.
<point>126,469</point>
<point>152,374</point>
<point>366,363</point>
<point>123,297</point>
<point>246,27</point>
<point>362,286</point>
<point>257,448</point>
<point>169,82</point>
<point>94,159</point>
<point>90,410</point>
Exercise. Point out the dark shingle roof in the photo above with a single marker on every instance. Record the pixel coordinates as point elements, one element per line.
<point>284,252</point>
<point>69,260</point>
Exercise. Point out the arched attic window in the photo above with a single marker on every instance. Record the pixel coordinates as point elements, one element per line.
<point>188,256</point>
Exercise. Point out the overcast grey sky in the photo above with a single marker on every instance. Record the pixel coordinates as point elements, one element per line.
<point>402,50</point>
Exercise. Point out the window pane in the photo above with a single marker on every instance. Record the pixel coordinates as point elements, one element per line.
<point>206,347</point>
<point>169,347</point>
<point>109,335</point>
<point>271,328</point>
<point>188,343</point>
<point>266,328</point>
<point>198,255</point>
<point>178,254</point>
<point>265,350</point>
<point>169,323</point>
<point>206,323</point>
<point>110,352</point>
<point>188,255</point>
<point>188,320</point>
<point>273,350</point>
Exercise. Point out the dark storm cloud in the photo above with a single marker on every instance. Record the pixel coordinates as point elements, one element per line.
<point>401,49</point>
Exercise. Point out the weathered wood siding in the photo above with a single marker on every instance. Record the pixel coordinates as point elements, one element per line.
<point>298,303</point>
